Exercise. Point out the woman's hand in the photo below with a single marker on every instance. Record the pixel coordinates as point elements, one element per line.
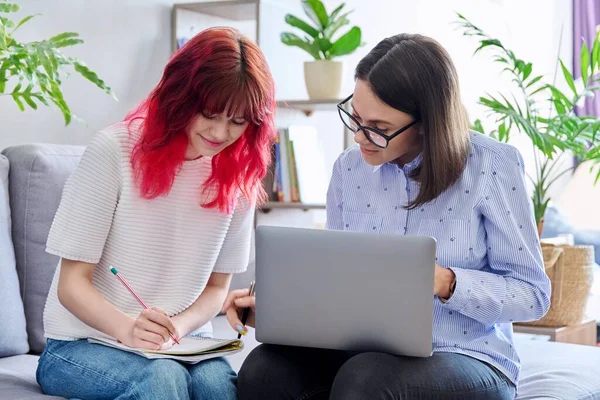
<point>443,282</point>
<point>150,330</point>
<point>235,303</point>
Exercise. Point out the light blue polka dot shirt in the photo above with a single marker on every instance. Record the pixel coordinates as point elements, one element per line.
<point>485,232</point>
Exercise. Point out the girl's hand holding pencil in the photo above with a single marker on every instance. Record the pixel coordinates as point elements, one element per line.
<point>152,329</point>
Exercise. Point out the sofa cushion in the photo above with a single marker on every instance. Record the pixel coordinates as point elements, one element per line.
<point>37,176</point>
<point>13,335</point>
<point>554,370</point>
<point>17,379</point>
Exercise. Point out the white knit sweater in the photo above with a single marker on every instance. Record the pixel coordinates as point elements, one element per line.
<point>166,247</point>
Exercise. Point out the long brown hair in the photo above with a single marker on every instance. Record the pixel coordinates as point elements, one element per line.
<point>414,74</point>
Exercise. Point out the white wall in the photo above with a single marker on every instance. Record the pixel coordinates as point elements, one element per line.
<point>531,28</point>
<point>128,43</point>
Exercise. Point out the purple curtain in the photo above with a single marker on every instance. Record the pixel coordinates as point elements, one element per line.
<point>586,16</point>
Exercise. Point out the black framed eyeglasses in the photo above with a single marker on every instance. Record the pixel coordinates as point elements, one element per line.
<point>375,136</point>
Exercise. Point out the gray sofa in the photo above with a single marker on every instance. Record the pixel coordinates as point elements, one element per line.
<point>31,183</point>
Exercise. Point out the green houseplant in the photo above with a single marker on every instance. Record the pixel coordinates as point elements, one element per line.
<point>323,76</point>
<point>545,113</point>
<point>32,73</point>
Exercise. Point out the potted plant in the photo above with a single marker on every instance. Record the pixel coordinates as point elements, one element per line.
<point>544,113</point>
<point>323,76</point>
<point>37,68</point>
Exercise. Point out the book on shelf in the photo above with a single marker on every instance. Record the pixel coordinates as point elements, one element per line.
<point>297,173</point>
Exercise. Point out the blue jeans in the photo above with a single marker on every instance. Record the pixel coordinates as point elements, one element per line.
<point>293,373</point>
<point>82,370</point>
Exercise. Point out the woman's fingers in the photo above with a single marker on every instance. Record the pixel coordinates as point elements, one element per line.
<point>234,294</point>
<point>234,320</point>
<point>245,302</point>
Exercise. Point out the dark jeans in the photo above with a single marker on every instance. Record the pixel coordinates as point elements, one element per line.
<point>279,372</point>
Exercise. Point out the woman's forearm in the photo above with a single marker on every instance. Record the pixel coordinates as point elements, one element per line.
<point>206,306</point>
<point>78,295</point>
<point>204,309</point>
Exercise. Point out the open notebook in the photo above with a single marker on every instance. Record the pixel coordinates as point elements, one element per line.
<point>190,349</point>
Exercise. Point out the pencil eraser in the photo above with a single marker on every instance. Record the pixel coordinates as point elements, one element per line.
<point>113,270</point>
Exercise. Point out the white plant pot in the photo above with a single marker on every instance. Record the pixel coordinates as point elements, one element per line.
<point>323,79</point>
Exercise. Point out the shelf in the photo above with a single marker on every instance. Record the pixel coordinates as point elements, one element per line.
<point>234,10</point>
<point>300,206</point>
<point>310,106</point>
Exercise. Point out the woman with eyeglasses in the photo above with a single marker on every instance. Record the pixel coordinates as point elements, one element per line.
<point>419,167</point>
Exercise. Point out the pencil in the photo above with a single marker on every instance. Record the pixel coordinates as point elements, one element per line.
<point>247,310</point>
<point>138,298</point>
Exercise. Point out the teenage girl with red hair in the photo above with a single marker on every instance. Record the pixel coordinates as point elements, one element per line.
<point>167,197</point>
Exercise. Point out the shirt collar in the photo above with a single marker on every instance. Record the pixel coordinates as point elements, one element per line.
<point>407,168</point>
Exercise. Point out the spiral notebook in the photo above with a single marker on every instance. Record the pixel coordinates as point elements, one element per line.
<point>190,349</point>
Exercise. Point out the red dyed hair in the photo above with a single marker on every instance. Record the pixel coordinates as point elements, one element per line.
<point>219,70</point>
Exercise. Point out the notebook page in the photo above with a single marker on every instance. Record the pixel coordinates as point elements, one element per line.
<point>187,346</point>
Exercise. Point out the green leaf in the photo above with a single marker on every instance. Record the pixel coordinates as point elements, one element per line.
<point>502,133</point>
<point>46,63</point>
<point>300,24</point>
<point>596,53</point>
<point>15,97</point>
<point>6,22</point>
<point>29,101</point>
<point>527,71</point>
<point>58,99</point>
<point>9,7</point>
<point>63,36</point>
<point>332,28</point>
<point>534,81</point>
<point>584,63</point>
<point>568,77</point>
<point>24,21</point>
<point>557,94</point>
<point>92,77</point>
<point>324,45</point>
<point>40,98</point>
<point>3,79</point>
<point>67,43</point>
<point>488,42</point>
<point>347,43</point>
<point>335,13</point>
<point>541,88</point>
<point>291,39</point>
<point>316,12</point>
<point>478,126</point>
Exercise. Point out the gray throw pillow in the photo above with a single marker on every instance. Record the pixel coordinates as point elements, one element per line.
<point>13,335</point>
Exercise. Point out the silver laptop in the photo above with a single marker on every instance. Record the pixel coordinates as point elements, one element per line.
<point>345,290</point>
